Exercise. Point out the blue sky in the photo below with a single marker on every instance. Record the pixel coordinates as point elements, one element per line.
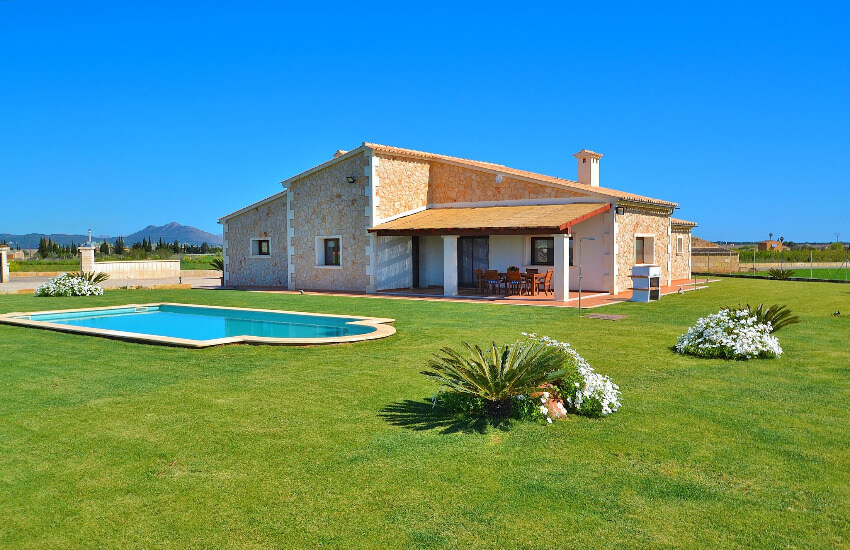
<point>115,115</point>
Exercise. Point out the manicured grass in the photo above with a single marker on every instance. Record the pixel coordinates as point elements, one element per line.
<point>835,273</point>
<point>106,443</point>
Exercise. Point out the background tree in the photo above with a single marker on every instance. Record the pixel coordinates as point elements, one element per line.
<point>104,248</point>
<point>205,248</point>
<point>119,246</point>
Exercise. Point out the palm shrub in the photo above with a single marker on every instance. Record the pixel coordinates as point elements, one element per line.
<point>93,277</point>
<point>776,316</point>
<point>779,273</point>
<point>217,264</point>
<point>499,374</point>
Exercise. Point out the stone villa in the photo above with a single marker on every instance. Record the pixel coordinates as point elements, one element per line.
<point>384,218</point>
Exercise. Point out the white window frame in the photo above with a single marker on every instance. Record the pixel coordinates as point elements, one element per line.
<point>651,248</point>
<point>251,248</point>
<point>680,244</point>
<point>320,252</point>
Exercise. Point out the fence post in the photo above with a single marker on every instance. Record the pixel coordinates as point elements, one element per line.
<point>4,264</point>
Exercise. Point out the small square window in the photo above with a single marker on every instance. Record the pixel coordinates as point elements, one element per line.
<point>542,251</point>
<point>260,247</point>
<point>333,252</point>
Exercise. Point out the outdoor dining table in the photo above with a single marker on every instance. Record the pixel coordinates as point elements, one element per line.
<point>535,278</point>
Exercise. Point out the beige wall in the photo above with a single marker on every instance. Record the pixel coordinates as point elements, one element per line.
<point>267,221</point>
<point>325,204</point>
<point>637,222</point>
<point>681,262</point>
<point>718,263</point>
<point>402,185</point>
<point>451,183</point>
<point>139,269</point>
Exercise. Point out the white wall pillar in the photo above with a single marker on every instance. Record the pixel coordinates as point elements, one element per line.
<point>450,265</point>
<point>4,264</point>
<point>86,259</point>
<point>561,269</point>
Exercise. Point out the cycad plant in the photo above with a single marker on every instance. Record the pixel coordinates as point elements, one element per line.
<point>94,277</point>
<point>500,373</point>
<point>779,273</point>
<point>778,316</point>
<point>217,264</point>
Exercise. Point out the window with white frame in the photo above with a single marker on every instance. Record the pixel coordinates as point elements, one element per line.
<point>329,251</point>
<point>680,244</point>
<point>644,249</point>
<point>260,248</point>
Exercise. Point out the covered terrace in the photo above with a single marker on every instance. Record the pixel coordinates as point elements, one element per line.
<point>449,244</point>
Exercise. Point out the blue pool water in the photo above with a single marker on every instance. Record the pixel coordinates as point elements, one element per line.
<point>201,323</point>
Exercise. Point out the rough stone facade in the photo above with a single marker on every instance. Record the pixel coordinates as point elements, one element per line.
<point>633,223</point>
<point>451,183</point>
<point>322,203</point>
<point>267,221</point>
<point>402,185</point>
<point>681,262</point>
<point>325,205</point>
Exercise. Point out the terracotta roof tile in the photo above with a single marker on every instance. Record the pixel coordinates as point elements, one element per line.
<point>544,217</point>
<point>568,184</point>
<point>676,221</point>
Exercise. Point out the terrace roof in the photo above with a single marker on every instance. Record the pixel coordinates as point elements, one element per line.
<point>486,220</point>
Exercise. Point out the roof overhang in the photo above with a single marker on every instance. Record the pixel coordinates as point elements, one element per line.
<point>493,220</point>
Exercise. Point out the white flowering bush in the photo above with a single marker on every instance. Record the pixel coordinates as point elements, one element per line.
<point>583,390</point>
<point>67,285</point>
<point>730,334</point>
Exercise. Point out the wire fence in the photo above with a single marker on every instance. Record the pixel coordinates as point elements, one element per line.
<point>821,265</point>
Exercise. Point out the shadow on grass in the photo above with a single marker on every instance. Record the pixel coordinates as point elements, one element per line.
<point>422,415</point>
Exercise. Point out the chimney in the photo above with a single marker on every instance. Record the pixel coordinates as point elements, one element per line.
<point>339,153</point>
<point>588,167</point>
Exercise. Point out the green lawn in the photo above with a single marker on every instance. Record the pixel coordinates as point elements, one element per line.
<point>112,444</point>
<point>820,273</point>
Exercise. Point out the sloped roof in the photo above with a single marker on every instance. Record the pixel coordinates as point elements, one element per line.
<point>677,221</point>
<point>702,246</point>
<point>544,218</point>
<point>502,169</point>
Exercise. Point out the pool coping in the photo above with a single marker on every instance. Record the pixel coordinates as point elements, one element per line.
<point>382,325</point>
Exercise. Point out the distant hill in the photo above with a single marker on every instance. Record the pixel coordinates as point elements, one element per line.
<point>184,233</point>
<point>174,231</point>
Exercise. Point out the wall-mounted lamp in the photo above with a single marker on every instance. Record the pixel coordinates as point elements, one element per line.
<point>620,210</point>
<point>350,179</point>
<point>498,178</point>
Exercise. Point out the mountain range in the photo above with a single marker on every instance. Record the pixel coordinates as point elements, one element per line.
<point>169,232</point>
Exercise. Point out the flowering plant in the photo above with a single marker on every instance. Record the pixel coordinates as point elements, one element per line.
<point>730,334</point>
<point>67,285</point>
<point>582,390</point>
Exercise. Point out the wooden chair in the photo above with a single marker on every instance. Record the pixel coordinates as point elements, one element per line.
<point>492,279</point>
<point>514,283</point>
<point>546,283</point>
<point>480,280</point>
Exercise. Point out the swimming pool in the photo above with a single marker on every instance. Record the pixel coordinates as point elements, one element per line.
<point>203,326</point>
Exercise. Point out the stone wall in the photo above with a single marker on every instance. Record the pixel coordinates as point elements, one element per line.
<point>681,262</point>
<point>451,183</point>
<point>631,224</point>
<point>325,204</point>
<point>139,269</point>
<point>402,185</point>
<point>267,221</point>
<point>718,262</point>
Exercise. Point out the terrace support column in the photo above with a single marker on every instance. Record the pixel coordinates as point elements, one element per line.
<point>86,258</point>
<point>450,265</point>
<point>4,264</point>
<point>561,269</point>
